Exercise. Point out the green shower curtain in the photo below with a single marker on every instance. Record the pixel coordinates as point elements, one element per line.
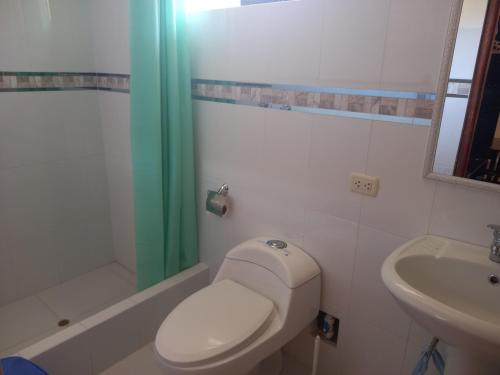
<point>162,141</point>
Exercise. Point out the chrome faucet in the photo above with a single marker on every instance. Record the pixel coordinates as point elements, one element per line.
<point>495,245</point>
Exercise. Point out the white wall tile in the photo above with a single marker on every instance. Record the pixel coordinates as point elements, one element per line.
<point>122,211</point>
<point>45,36</point>
<point>25,200</point>
<point>353,37</point>
<point>339,146</point>
<point>79,112</point>
<point>332,243</point>
<point>404,202</point>
<point>67,352</point>
<point>115,109</point>
<point>109,20</point>
<point>230,141</point>
<point>115,333</point>
<point>33,255</point>
<point>415,41</point>
<point>371,301</point>
<point>269,52</point>
<point>28,135</point>
<point>463,213</point>
<point>57,35</point>
<point>286,144</point>
<point>216,235</point>
<point>115,121</point>
<point>367,350</point>
<point>364,44</point>
<point>209,36</point>
<point>142,361</point>
<point>11,39</point>
<point>266,213</point>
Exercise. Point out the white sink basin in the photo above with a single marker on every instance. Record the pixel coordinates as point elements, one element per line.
<point>447,287</point>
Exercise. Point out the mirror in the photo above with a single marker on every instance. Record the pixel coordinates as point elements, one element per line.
<point>465,136</point>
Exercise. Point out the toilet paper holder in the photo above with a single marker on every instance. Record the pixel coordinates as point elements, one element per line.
<point>223,190</point>
<point>217,201</point>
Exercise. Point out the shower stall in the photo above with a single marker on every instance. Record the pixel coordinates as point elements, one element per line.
<point>67,247</point>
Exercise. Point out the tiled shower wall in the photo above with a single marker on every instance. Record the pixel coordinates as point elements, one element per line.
<point>289,171</point>
<point>55,217</point>
<point>111,48</point>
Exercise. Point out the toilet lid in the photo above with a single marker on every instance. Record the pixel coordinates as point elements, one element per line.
<point>211,322</point>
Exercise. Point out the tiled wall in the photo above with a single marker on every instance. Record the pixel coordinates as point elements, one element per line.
<point>396,106</point>
<point>111,49</point>
<point>65,205</point>
<point>289,171</point>
<point>54,205</point>
<point>45,81</point>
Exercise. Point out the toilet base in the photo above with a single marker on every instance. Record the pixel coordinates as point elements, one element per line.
<point>272,365</point>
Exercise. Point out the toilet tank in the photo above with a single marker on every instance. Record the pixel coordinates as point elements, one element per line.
<point>288,276</point>
<point>291,264</point>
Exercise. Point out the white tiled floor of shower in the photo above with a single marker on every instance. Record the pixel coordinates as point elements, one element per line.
<point>26,321</point>
<point>144,362</point>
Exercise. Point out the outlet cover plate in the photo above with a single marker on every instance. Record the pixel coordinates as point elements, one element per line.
<point>364,184</point>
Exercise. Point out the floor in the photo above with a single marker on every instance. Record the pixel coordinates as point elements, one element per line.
<point>27,321</point>
<point>144,362</point>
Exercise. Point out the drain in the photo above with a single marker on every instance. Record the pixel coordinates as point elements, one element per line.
<point>63,322</point>
<point>494,279</point>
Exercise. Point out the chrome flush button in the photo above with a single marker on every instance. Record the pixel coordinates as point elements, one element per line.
<point>494,279</point>
<point>277,244</point>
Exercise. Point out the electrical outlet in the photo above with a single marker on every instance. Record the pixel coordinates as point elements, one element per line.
<point>364,184</point>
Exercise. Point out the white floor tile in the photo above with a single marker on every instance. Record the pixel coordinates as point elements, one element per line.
<point>87,294</point>
<point>23,320</point>
<point>122,272</point>
<point>27,321</point>
<point>141,362</point>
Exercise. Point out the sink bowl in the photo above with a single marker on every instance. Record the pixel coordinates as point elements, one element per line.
<point>451,288</point>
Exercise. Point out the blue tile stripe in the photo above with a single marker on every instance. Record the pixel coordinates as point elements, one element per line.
<point>63,81</point>
<point>385,105</point>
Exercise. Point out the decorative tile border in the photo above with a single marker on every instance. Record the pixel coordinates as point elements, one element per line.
<point>56,81</point>
<point>459,88</point>
<point>395,106</point>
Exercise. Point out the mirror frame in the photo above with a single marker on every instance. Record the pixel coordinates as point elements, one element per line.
<point>449,49</point>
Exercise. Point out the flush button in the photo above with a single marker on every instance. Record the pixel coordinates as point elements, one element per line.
<point>277,244</point>
<point>494,279</point>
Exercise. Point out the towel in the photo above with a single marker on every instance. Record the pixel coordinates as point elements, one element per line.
<point>19,366</point>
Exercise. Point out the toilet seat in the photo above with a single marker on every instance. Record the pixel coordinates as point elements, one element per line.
<point>216,320</point>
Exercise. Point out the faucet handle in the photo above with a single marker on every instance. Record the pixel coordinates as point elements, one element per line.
<point>496,230</point>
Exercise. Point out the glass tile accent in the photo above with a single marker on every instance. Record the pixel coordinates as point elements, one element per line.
<point>396,106</point>
<point>63,81</point>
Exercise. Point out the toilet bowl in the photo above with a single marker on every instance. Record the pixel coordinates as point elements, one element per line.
<point>262,297</point>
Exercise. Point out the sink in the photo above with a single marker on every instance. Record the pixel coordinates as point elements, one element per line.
<point>452,289</point>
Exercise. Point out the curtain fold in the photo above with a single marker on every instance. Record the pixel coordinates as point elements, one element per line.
<point>162,141</point>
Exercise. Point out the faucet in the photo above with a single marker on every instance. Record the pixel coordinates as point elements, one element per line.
<point>495,245</point>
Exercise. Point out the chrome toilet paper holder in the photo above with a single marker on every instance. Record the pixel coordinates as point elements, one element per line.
<point>217,202</point>
<point>223,190</point>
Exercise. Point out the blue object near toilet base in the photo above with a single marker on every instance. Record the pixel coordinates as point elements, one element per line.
<point>20,366</point>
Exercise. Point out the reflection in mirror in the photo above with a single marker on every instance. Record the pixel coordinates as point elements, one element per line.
<point>468,144</point>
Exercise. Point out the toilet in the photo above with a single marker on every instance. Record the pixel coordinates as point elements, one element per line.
<point>265,292</point>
